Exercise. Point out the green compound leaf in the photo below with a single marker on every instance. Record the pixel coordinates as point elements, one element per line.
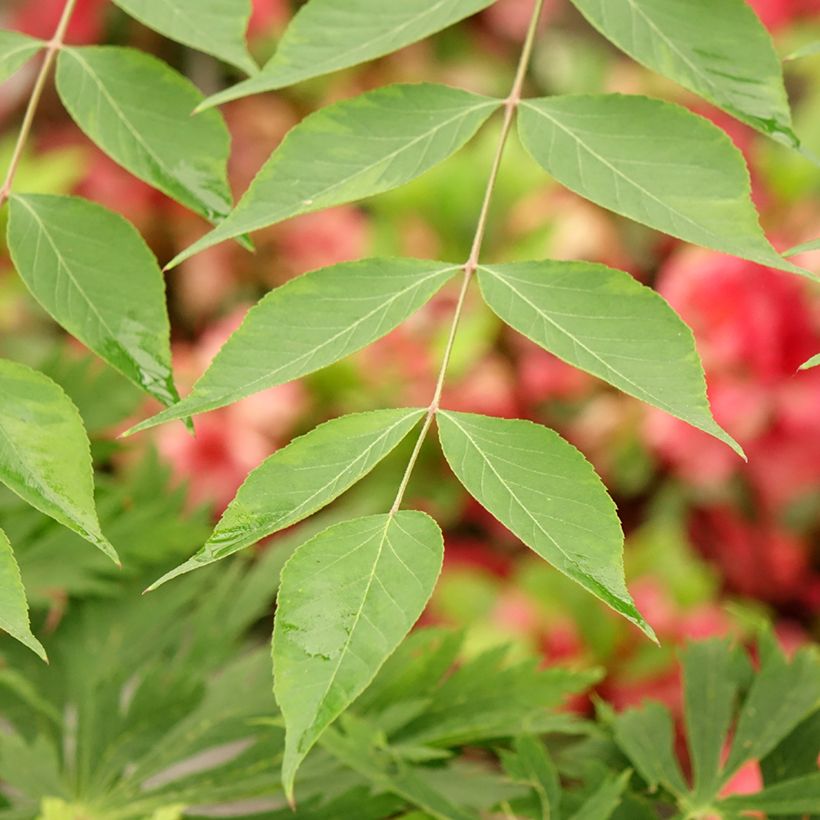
<point>605,322</point>
<point>721,51</point>
<point>13,604</point>
<point>653,162</point>
<point>300,479</point>
<point>353,150</point>
<point>15,51</point>
<point>542,489</point>
<point>646,735</point>
<point>138,110</point>
<point>92,271</point>
<point>328,35</point>
<point>44,452</point>
<point>214,26</point>
<point>814,361</point>
<point>797,796</point>
<point>309,323</point>
<point>347,599</point>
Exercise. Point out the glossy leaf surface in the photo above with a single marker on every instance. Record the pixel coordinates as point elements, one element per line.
<point>15,51</point>
<point>347,599</point>
<point>543,490</point>
<point>301,478</point>
<point>137,109</point>
<point>92,271</point>
<point>44,451</point>
<point>653,162</point>
<point>719,50</point>
<point>605,322</point>
<point>214,26</point>
<point>309,323</point>
<point>13,605</point>
<point>328,35</point>
<point>352,150</point>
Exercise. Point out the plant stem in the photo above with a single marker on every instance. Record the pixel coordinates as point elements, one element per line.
<point>52,48</point>
<point>471,265</point>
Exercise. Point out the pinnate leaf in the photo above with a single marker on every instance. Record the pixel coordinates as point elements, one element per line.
<point>214,26</point>
<point>718,50</point>
<point>300,479</point>
<point>13,605</point>
<point>347,599</point>
<point>654,162</point>
<point>92,271</point>
<point>137,109</point>
<point>605,322</point>
<point>328,35</point>
<point>542,489</point>
<point>354,149</point>
<point>15,51</point>
<point>309,323</point>
<point>44,452</point>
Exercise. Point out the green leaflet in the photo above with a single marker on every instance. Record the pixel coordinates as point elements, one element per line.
<point>44,452</point>
<point>805,247</point>
<point>543,490</point>
<point>796,796</point>
<point>718,50</point>
<point>13,605</point>
<point>531,764</point>
<point>327,35</point>
<point>300,479</point>
<point>92,271</point>
<point>814,361</point>
<point>653,162</point>
<point>138,110</point>
<point>347,599</point>
<point>808,50</point>
<point>352,150</point>
<point>214,26</point>
<point>15,51</point>
<point>605,322</point>
<point>601,804</point>
<point>309,323</point>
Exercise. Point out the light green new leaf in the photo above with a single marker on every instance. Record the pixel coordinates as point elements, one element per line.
<point>300,479</point>
<point>605,322</point>
<point>797,796</point>
<point>601,804</point>
<point>137,109</point>
<point>309,323</point>
<point>92,271</point>
<point>15,51</point>
<point>710,690</point>
<point>542,489</point>
<point>352,150</point>
<point>328,35</point>
<point>646,735</point>
<point>13,604</point>
<point>44,452</point>
<point>718,50</point>
<point>654,162</point>
<point>214,26</point>
<point>814,361</point>
<point>347,599</point>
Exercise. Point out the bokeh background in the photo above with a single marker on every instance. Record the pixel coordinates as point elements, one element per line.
<point>714,544</point>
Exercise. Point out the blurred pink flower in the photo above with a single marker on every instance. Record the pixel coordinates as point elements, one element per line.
<point>39,19</point>
<point>268,15</point>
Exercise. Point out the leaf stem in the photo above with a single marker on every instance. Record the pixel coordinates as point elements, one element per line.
<point>52,49</point>
<point>471,265</point>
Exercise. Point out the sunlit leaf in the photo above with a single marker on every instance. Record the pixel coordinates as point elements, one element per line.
<point>309,323</point>
<point>352,150</point>
<point>327,35</point>
<point>15,51</point>
<point>13,605</point>
<point>719,50</point>
<point>654,162</point>
<point>92,271</point>
<point>605,322</point>
<point>214,26</point>
<point>347,599</point>
<point>137,109</point>
<point>300,479</point>
<point>544,491</point>
<point>44,451</point>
